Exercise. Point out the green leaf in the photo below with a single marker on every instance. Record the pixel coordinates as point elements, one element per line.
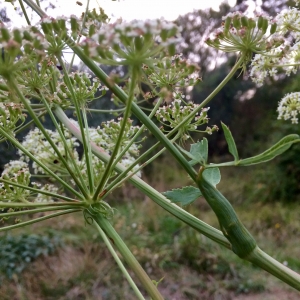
<point>184,196</point>
<point>230,141</point>
<point>212,175</point>
<point>189,194</point>
<point>198,152</point>
<point>280,147</point>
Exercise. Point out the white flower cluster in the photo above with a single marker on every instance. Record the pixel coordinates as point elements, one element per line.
<point>108,134</point>
<point>285,57</point>
<point>171,74</point>
<point>11,117</point>
<point>289,107</point>
<point>36,143</point>
<point>171,115</point>
<point>42,198</point>
<point>288,21</point>
<point>244,35</point>
<point>15,171</point>
<point>83,85</point>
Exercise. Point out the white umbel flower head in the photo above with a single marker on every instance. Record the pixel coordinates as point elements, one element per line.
<point>289,107</point>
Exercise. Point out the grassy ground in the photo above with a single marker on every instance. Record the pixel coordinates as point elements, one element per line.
<point>190,265</point>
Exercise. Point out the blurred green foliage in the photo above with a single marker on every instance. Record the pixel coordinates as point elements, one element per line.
<point>17,252</point>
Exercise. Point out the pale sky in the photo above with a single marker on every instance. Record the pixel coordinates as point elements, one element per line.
<point>127,9</point>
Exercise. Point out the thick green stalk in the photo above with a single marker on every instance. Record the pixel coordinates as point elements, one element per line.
<point>119,263</point>
<point>271,265</point>
<point>22,224</point>
<point>202,227</point>
<point>243,243</point>
<point>128,256</point>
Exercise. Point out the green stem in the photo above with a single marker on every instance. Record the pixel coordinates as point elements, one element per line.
<point>202,227</point>
<point>34,211</point>
<point>68,211</point>
<point>80,34</point>
<point>91,177</point>
<point>24,12</point>
<point>119,263</point>
<point>119,181</point>
<point>109,168</point>
<point>36,8</point>
<point>139,132</point>
<point>271,265</point>
<point>128,256</point>
<point>83,130</point>
<point>38,190</point>
<point>80,183</point>
<point>30,204</point>
<point>101,110</point>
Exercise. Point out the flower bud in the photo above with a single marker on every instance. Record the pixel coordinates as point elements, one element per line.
<point>56,26</point>
<point>252,23</point>
<point>236,22</point>
<point>138,42</point>
<point>13,48</point>
<point>86,79</point>
<point>101,52</point>
<point>5,34</point>
<point>92,30</point>
<point>27,36</point>
<point>260,22</point>
<point>273,28</point>
<point>244,21</point>
<point>265,25</point>
<point>172,49</point>
<point>62,24</point>
<point>168,63</point>
<point>227,24</point>
<point>17,36</point>
<point>164,34</point>
<point>77,79</point>
<point>47,27</point>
